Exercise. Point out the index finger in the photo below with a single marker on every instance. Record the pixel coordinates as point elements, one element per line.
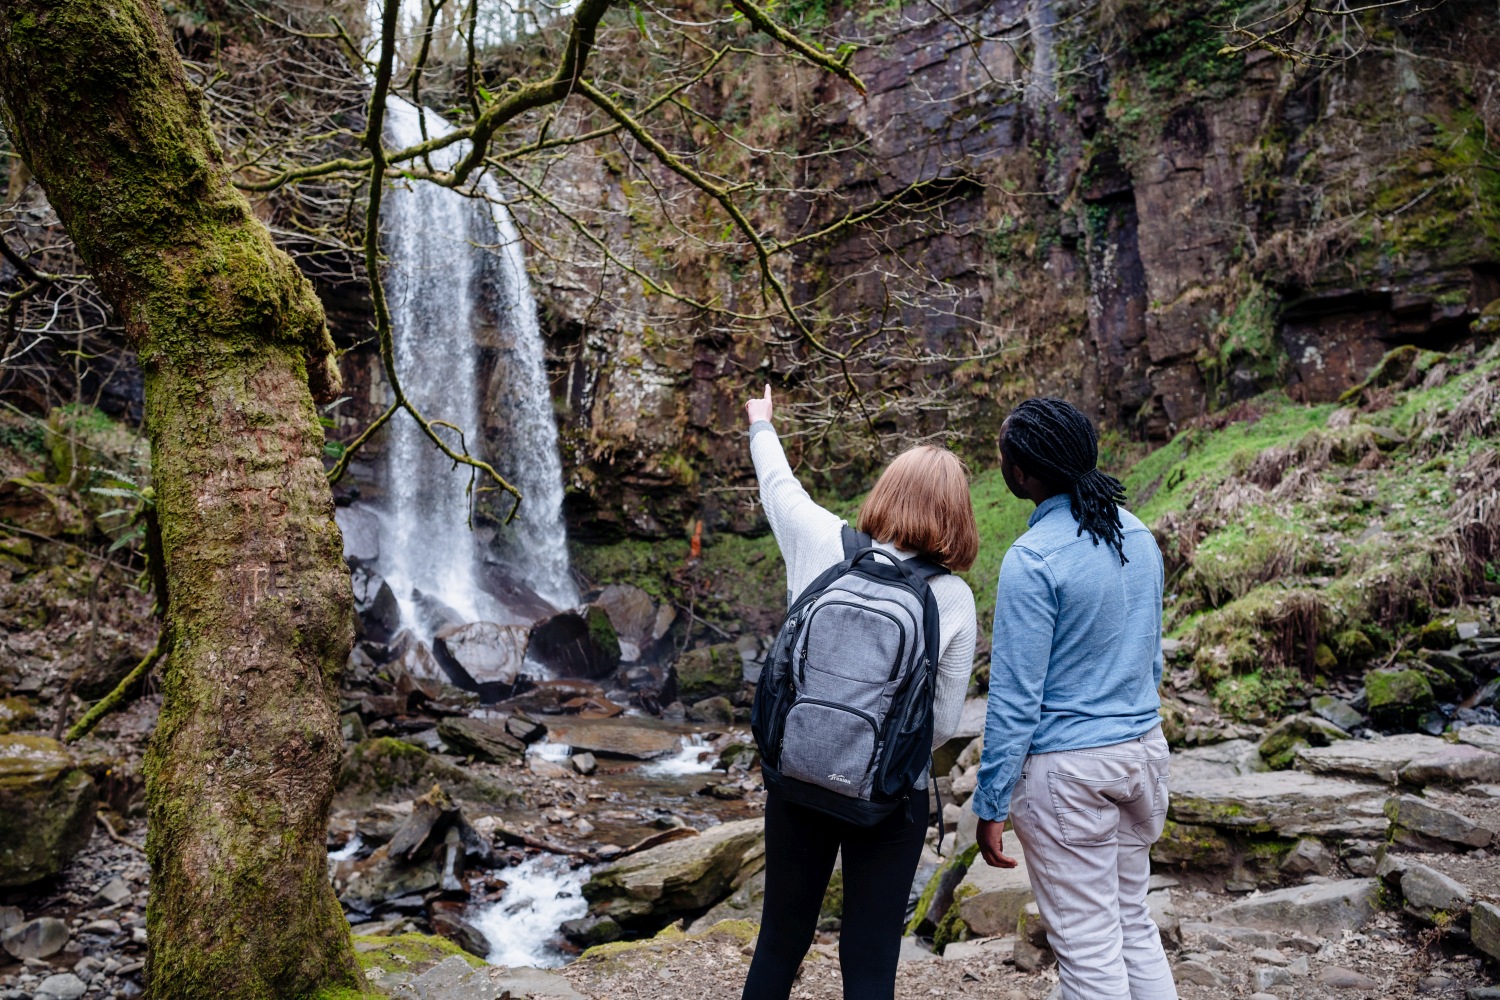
<point>768,392</point>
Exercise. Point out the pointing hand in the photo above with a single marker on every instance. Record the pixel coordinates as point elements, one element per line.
<point>759,409</point>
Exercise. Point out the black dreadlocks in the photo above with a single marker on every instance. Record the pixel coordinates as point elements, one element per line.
<point>1051,440</point>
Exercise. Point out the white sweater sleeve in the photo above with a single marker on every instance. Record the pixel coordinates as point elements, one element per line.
<point>958,631</point>
<point>809,536</point>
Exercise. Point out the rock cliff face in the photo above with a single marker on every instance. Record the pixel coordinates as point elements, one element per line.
<point>1108,209</point>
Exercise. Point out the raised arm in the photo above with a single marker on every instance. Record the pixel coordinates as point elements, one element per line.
<point>807,534</point>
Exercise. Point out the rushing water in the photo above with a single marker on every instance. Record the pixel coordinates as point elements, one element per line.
<point>540,893</point>
<point>446,252</point>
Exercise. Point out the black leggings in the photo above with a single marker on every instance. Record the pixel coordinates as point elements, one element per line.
<point>879,864</point>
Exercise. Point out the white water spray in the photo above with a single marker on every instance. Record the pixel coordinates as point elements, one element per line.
<point>436,241</point>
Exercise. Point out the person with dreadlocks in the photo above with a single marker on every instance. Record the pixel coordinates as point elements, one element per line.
<point>1074,756</point>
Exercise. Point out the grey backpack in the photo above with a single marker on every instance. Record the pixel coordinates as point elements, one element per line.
<point>843,708</point>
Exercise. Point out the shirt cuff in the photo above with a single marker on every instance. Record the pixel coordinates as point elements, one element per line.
<point>761,425</point>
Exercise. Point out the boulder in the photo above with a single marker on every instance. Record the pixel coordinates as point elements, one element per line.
<point>1308,857</point>
<point>39,938</point>
<point>713,711</point>
<point>1288,803</point>
<point>61,986</point>
<point>1483,737</point>
<point>1338,712</point>
<point>360,527</point>
<point>709,670</point>
<point>1381,759</point>
<point>413,657</point>
<point>937,896</point>
<point>1321,910</point>
<point>570,644</point>
<point>990,900</point>
<point>388,768</point>
<point>447,919</point>
<point>488,741</point>
<point>1425,826</point>
<point>628,738</point>
<point>46,808</point>
<point>1397,697</point>
<point>632,612</point>
<point>1459,764</point>
<point>375,604</point>
<point>686,875</point>
<point>1430,895</point>
<point>1279,746</point>
<point>1217,760</point>
<point>1032,949</point>
<point>1484,928</point>
<point>482,657</point>
<point>379,879</point>
<point>1192,845</point>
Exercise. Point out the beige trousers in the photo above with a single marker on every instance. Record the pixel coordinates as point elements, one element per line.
<point>1087,820</point>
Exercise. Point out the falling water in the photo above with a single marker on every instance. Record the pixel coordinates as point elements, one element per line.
<point>435,240</point>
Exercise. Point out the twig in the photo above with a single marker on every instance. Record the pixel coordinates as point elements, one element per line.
<point>115,835</point>
<point>123,690</point>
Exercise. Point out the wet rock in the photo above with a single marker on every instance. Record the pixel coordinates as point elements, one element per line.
<point>524,728</point>
<point>990,900</point>
<point>447,919</point>
<point>570,644</point>
<point>1321,910</point>
<point>632,612</point>
<point>681,876</point>
<point>1340,713</point>
<point>488,741</point>
<point>1484,928</point>
<point>1397,697</point>
<point>39,938</point>
<point>713,711</point>
<point>375,604</point>
<point>629,738</point>
<point>482,657</point>
<point>386,768</point>
<point>589,931</point>
<point>63,986</point>
<point>1425,826</point>
<point>434,615</point>
<point>381,880</point>
<point>1290,803</point>
<point>114,892</point>
<point>584,763</point>
<point>412,657</point>
<point>709,670</point>
<point>46,808</point>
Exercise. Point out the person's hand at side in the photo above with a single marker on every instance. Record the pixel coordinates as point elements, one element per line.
<point>991,836</point>
<point>760,408</point>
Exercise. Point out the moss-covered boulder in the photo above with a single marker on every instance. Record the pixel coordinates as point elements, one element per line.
<point>1191,845</point>
<point>683,876</point>
<point>386,768</point>
<point>16,713</point>
<point>1279,746</point>
<point>47,808</point>
<point>709,670</point>
<point>1397,697</point>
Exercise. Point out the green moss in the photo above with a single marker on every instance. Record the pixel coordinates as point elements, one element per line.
<point>1397,696</point>
<point>952,927</point>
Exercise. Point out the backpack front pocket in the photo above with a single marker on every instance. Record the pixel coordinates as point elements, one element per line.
<point>831,746</point>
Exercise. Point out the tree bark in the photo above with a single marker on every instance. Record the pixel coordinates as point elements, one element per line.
<point>240,771</point>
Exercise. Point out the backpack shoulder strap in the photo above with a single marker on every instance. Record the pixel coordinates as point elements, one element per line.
<point>854,541</point>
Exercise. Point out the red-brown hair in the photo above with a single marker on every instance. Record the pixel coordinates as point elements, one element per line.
<point>921,504</point>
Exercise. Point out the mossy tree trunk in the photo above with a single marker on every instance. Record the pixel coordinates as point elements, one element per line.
<point>234,347</point>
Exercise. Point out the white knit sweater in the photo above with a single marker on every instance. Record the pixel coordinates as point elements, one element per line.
<point>811,541</point>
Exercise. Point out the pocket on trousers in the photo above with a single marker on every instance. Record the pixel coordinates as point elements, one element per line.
<point>1086,809</point>
<point>1148,830</point>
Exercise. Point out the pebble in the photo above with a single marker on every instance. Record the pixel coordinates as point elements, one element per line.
<point>1270,975</point>
<point>114,892</point>
<point>1198,974</point>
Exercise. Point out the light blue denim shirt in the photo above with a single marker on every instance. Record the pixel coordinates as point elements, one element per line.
<point>1076,660</point>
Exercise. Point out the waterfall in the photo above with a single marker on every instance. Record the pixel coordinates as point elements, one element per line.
<point>444,249</point>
